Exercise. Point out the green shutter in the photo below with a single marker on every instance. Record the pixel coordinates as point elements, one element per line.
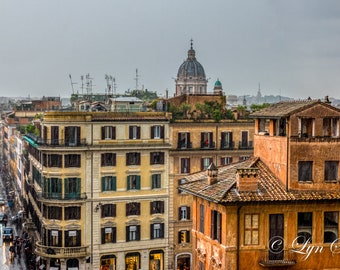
<point>138,182</point>
<point>114,183</point>
<point>153,181</point>
<point>127,183</point>
<point>103,183</point>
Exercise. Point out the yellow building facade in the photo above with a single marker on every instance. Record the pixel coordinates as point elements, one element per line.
<point>98,190</point>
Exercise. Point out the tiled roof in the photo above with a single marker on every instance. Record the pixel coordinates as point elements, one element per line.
<point>284,108</point>
<point>270,188</point>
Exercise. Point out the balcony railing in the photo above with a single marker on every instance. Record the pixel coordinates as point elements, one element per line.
<point>61,196</point>
<point>207,145</point>
<point>60,252</point>
<point>54,142</point>
<point>228,145</point>
<point>314,139</point>
<point>245,145</point>
<point>285,258</point>
<point>184,145</point>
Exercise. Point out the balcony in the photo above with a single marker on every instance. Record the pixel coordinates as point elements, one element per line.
<point>61,196</point>
<point>227,145</point>
<point>285,258</point>
<point>207,145</point>
<point>60,252</point>
<point>319,139</point>
<point>245,145</point>
<point>183,145</point>
<point>34,140</point>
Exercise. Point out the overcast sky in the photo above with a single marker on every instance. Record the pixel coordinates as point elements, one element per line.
<point>290,47</point>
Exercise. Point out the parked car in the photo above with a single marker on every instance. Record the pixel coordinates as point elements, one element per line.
<point>7,234</point>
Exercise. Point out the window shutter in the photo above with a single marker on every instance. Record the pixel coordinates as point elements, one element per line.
<point>151,231</point>
<point>162,206</point>
<point>179,213</point>
<point>202,164</point>
<point>114,210</point>
<point>103,235</point>
<point>210,135</point>
<point>113,133</point>
<point>162,132</point>
<point>78,238</point>
<point>153,184</point>
<point>114,234</point>
<point>138,208</point>
<point>59,238</point>
<point>78,135</point>
<point>130,132</point>
<point>138,182</point>
<point>188,166</point>
<point>161,235</point>
<point>188,138</point>
<point>138,132</point>
<point>188,212</point>
<point>202,138</point>
<point>138,232</point>
<point>103,183</point>
<point>114,183</point>
<point>161,157</point>
<point>212,224</point>
<point>103,133</point>
<point>179,143</point>
<point>152,157</point>
<point>127,233</point>
<point>179,237</point>
<point>152,132</point>
<point>137,158</point>
<point>78,185</point>
<point>188,236</point>
<point>127,159</point>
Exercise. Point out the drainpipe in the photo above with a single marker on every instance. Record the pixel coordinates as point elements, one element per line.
<point>287,155</point>
<point>238,238</point>
<point>91,256</point>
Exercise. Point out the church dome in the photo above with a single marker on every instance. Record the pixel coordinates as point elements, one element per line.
<point>191,67</point>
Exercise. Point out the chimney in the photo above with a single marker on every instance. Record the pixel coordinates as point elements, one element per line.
<point>247,179</point>
<point>212,173</point>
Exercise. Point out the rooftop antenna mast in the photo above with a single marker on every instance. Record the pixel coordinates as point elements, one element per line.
<point>108,78</point>
<point>114,85</point>
<point>136,78</point>
<point>82,84</point>
<point>88,84</point>
<point>72,83</point>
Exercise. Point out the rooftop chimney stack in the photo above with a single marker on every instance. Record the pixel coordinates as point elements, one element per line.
<point>212,172</point>
<point>247,179</point>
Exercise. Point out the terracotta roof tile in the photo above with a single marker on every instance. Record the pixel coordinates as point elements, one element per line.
<point>270,188</point>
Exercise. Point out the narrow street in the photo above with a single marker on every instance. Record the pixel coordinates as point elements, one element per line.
<point>6,262</point>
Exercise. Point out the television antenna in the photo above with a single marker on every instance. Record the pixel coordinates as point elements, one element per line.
<point>72,83</point>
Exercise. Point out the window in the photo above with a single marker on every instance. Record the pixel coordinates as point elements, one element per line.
<point>157,132</point>
<point>156,158</point>
<point>72,212</point>
<point>305,221</point>
<point>243,158</point>
<point>133,233</point>
<point>54,212</point>
<point>226,160</point>
<point>133,182</point>
<point>72,136</point>
<point>133,158</point>
<point>227,140</point>
<point>306,127</point>
<point>132,261</point>
<point>108,210</point>
<point>108,159</point>
<point>108,133</point>
<point>251,229</point>
<point>331,127</point>
<point>53,188</point>
<point>331,225</point>
<point>244,143</point>
<point>207,140</point>
<point>205,162</point>
<point>156,207</point>
<point>157,230</point>
<point>183,237</point>
<point>54,135</point>
<point>331,170</point>
<point>185,165</point>
<point>72,187</point>
<point>52,160</point>
<point>109,235</point>
<point>305,170</point>
<point>216,222</point>
<point>156,181</point>
<point>133,209</point>
<point>134,132</point>
<point>109,183</point>
<point>72,160</point>
<point>72,238</point>
<point>180,182</point>
<point>184,140</point>
<point>201,228</point>
<point>184,213</point>
<point>54,238</point>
